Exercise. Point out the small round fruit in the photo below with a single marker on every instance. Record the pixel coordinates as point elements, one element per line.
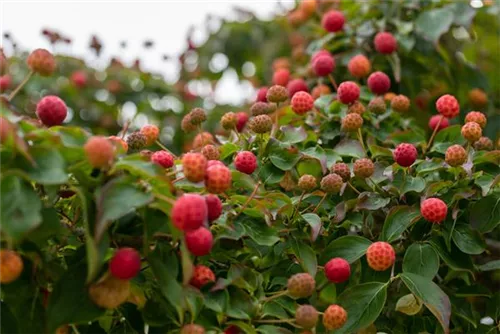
<point>476,116</point>
<point>334,317</point>
<point>471,131</point>
<point>79,79</point>
<point>302,102</point>
<point>229,120</point>
<point>218,179</point>
<point>202,275</point>
<point>447,105</point>
<point>323,65</point>
<point>110,293</point>
<point>5,81</point>
<point>245,162</point>
<point>342,169</point>
<point>385,43</point>
<point>99,151</point>
<point>333,21</point>
<point>214,206</point>
<point>352,122</point>
<point>337,270</point>
<point>434,210</point>
<point>301,285</point>
<point>189,212</point>
<point>197,116</point>
<point>320,90</point>
<point>455,155</point>
<point>277,94</point>
<point>296,85</point>
<point>136,141</point>
<point>202,139</point>
<point>120,144</point>
<point>377,105</point>
<point>261,95</point>
<point>357,107</point>
<point>484,143</point>
<point>11,266</point>
<point>51,110</point>
<point>400,103</point>
<point>260,108</point>
<point>405,154</point>
<point>192,329</point>
<point>261,124</point>
<point>125,264</point>
<point>199,242</point>
<point>194,166</point>
<point>380,256</point>
<point>478,98</point>
<point>307,183</point>
<point>281,77</point>
<point>434,120</point>
<point>163,159</point>
<point>379,83</point>
<point>41,62</point>
<point>359,66</point>
<point>331,184</point>
<point>363,168</point>
<point>306,316</point>
<point>348,92</point>
<point>242,120</point>
<point>151,132</point>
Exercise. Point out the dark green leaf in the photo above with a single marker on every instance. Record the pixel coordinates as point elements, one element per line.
<point>485,214</point>
<point>315,222</point>
<point>489,266</point>
<point>431,24</point>
<point>397,221</point>
<point>349,247</point>
<point>49,166</point>
<point>421,259</point>
<point>371,201</point>
<point>349,148</point>
<point>305,255</point>
<point>468,240</point>
<point>293,135</point>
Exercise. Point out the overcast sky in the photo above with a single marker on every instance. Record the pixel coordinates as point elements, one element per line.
<point>165,22</point>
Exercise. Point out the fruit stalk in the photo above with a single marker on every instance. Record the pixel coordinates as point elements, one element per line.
<point>21,85</point>
<point>429,143</point>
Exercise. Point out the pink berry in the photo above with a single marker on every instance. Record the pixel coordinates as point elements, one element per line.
<point>79,79</point>
<point>51,110</point>
<point>385,43</point>
<point>333,21</point>
<point>163,158</point>
<point>447,105</point>
<point>296,85</point>
<point>5,81</point>
<point>125,264</point>
<point>189,212</point>
<point>199,242</point>
<point>323,65</point>
<point>214,206</point>
<point>380,256</point>
<point>242,119</point>
<point>348,92</point>
<point>405,154</point>
<point>434,120</point>
<point>379,83</point>
<point>245,162</point>
<point>302,102</point>
<point>337,270</point>
<point>433,210</point>
<point>261,95</point>
<point>281,77</point>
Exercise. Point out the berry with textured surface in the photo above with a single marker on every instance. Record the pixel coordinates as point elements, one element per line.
<point>51,110</point>
<point>245,162</point>
<point>214,206</point>
<point>125,263</point>
<point>337,270</point>
<point>385,43</point>
<point>199,242</point>
<point>202,275</point>
<point>99,151</point>
<point>405,154</point>
<point>359,66</point>
<point>434,210</point>
<point>455,155</point>
<point>447,105</point>
<point>379,83</point>
<point>301,285</point>
<point>334,317</point>
<point>194,166</point>
<point>348,92</point>
<point>380,256</point>
<point>333,21</point>
<point>189,212</point>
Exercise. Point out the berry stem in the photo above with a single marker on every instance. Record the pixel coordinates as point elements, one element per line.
<point>360,138</point>
<point>320,202</point>
<point>353,188</point>
<point>376,186</point>
<point>274,296</point>
<point>125,129</point>
<point>165,199</point>
<point>21,85</point>
<point>332,80</point>
<point>275,123</point>
<point>320,114</point>
<point>296,207</point>
<point>252,195</point>
<point>164,148</point>
<point>178,179</point>
<point>274,321</point>
<point>429,143</point>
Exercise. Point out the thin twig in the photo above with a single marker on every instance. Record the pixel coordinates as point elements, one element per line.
<point>428,145</point>
<point>21,85</point>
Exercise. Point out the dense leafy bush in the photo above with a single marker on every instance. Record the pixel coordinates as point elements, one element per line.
<point>338,210</point>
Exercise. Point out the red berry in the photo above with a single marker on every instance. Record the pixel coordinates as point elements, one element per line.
<point>433,210</point>
<point>11,266</point>
<point>455,155</point>
<point>125,264</point>
<point>245,162</point>
<point>331,183</point>
<point>405,154</point>
<point>447,105</point>
<point>51,110</point>
<point>163,158</point>
<point>296,85</point>
<point>379,83</point>
<point>319,54</point>
<point>333,21</point>
<point>5,81</point>
<point>385,43</point>
<point>199,242</point>
<point>302,102</point>
<point>281,77</point>
<point>99,151</point>
<point>42,62</point>
<point>359,66</point>
<point>348,92</point>
<point>79,79</point>
<point>261,95</point>
<point>476,116</point>
<point>217,179</point>
<point>211,163</point>
<point>337,270</point>
<point>334,317</point>
<point>242,120</point>
<point>380,256</point>
<point>434,120</point>
<point>151,132</point>
<point>210,152</point>
<point>323,65</point>
<point>194,166</point>
<point>189,212</point>
<point>214,206</point>
<point>201,276</point>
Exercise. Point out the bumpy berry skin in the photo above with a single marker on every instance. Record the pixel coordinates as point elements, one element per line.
<point>201,276</point>
<point>476,116</point>
<point>242,120</point>
<point>277,94</point>
<point>307,183</point>
<point>296,85</point>
<point>343,170</point>
<point>99,151</point>
<point>389,96</point>
<point>42,62</point>
<point>478,98</point>
<point>79,79</point>
<point>357,107</point>
<point>405,154</point>
<point>229,120</point>
<point>199,242</point>
<point>192,329</point>
<point>337,270</point>
<point>51,110</point>
<point>352,122</point>
<point>400,103</point>
<point>110,293</point>
<point>163,159</point>
<point>320,90</point>
<point>471,131</point>
<point>136,141</point>
<point>334,317</point>
<point>214,207</point>
<point>151,132</point>
<point>385,43</point>
<point>434,120</point>
<point>483,143</point>
<point>379,83</point>
<point>333,21</point>
<point>210,152</point>
<point>447,105</point>
<point>5,81</point>
<point>377,105</point>
<point>120,144</point>
<point>125,264</point>
<point>306,316</point>
<point>217,179</point>
<point>301,285</point>
<point>245,162</point>
<point>281,77</point>
<point>348,92</point>
<point>331,184</point>
<point>455,155</point>
<point>11,266</point>
<point>194,166</point>
<point>198,116</point>
<point>260,108</point>
<point>186,124</point>
<point>380,256</point>
<point>203,139</point>
<point>434,210</point>
<point>261,95</point>
<point>302,102</point>
<point>363,168</point>
<point>189,212</point>
<point>320,53</point>
<point>323,65</point>
<point>359,66</point>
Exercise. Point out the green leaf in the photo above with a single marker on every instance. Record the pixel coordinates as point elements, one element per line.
<point>270,174</point>
<point>489,266</point>
<point>9,322</point>
<point>241,304</point>
<point>457,260</point>
<point>114,200</point>
<point>136,166</point>
<point>315,222</point>
<point>348,247</point>
<point>227,150</point>
<point>468,240</point>
<point>408,304</point>
<point>50,226</point>
<point>421,259</point>
<point>323,101</point>
<point>397,221</point>
<point>329,294</point>
<point>305,255</point>
<point>350,148</point>
<point>432,296</point>
<point>371,201</point>
<point>486,182</point>
<point>485,214</point>
<point>21,207</point>
<point>431,24</point>
<point>363,304</point>
<point>49,166</point>
<point>69,302</point>
<point>293,135</point>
